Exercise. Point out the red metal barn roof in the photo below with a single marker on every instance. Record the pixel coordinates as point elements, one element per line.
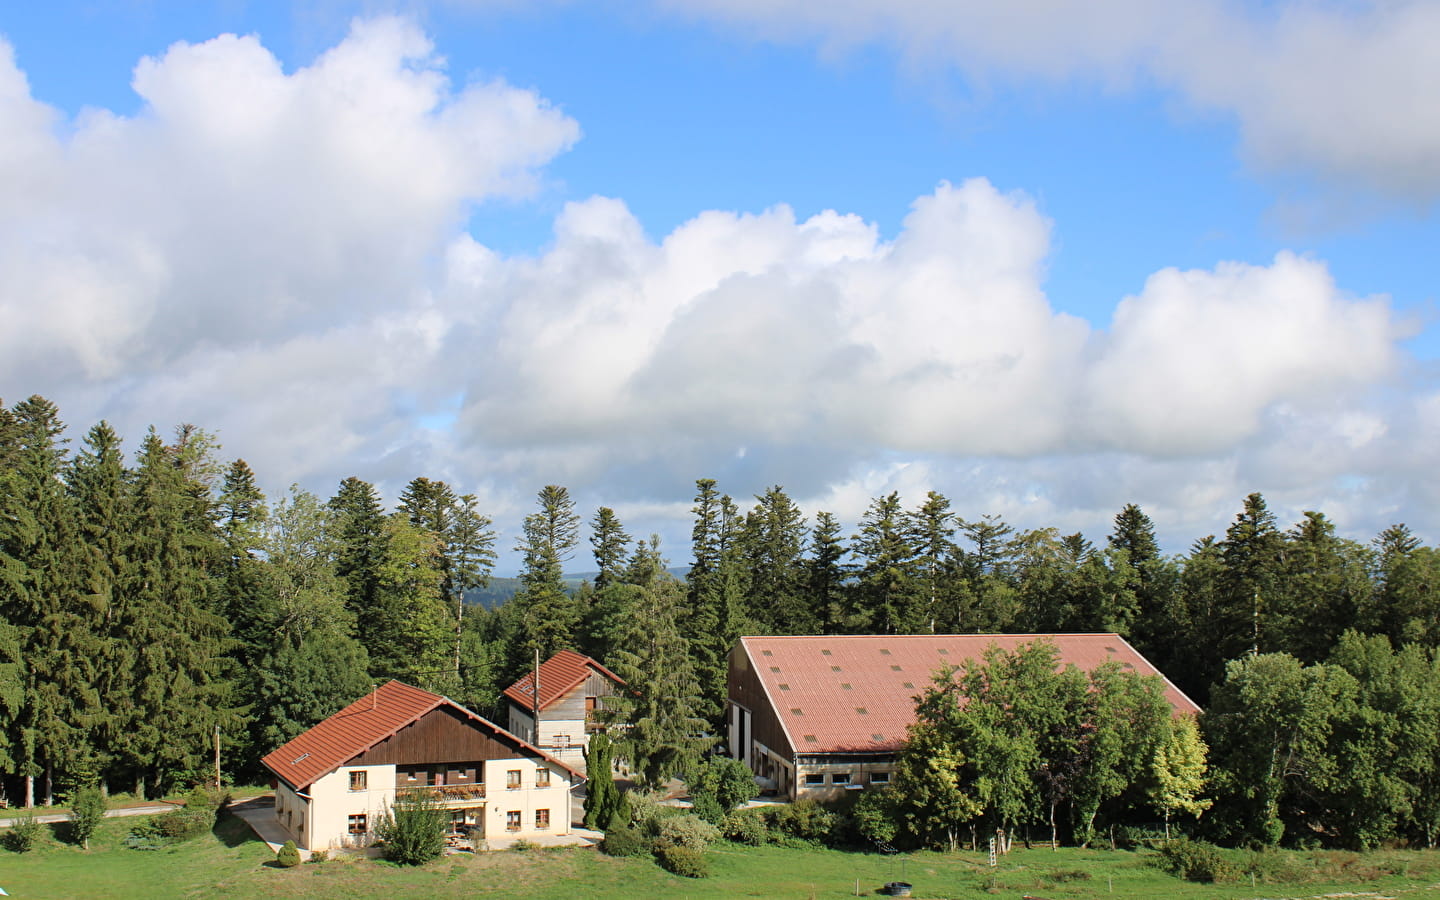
<point>856,693</point>
<point>559,675</point>
<point>363,724</point>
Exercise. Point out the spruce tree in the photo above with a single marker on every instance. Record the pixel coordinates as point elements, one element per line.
<point>886,598</point>
<point>608,542</point>
<point>178,680</point>
<point>931,530</point>
<point>827,576</point>
<point>548,615</point>
<point>359,536</point>
<point>661,728</point>
<point>772,544</point>
<point>715,590</point>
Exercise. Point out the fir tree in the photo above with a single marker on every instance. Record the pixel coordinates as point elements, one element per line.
<point>608,541</point>
<point>661,733</point>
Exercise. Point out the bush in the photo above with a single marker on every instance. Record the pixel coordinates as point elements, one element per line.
<point>414,830</point>
<point>645,814</point>
<point>288,856</point>
<point>624,842</point>
<point>24,834</point>
<point>687,831</point>
<point>319,856</point>
<point>689,862</point>
<point>745,827</point>
<point>804,820</point>
<point>195,818</point>
<point>720,784</point>
<point>1193,860</point>
<point>524,846</point>
<point>87,811</point>
<point>875,815</point>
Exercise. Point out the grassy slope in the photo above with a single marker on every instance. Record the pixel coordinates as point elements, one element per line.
<point>231,863</point>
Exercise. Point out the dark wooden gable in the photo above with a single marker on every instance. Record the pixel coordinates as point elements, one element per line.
<point>442,735</point>
<point>746,690</point>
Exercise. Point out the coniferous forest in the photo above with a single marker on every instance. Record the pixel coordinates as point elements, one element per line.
<point>149,601</point>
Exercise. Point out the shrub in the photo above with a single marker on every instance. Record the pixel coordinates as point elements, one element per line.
<point>804,820</point>
<point>687,831</point>
<point>745,827</point>
<point>689,862</point>
<point>1193,860</point>
<point>708,808</point>
<point>24,834</point>
<point>645,814</point>
<point>288,856</point>
<point>413,831</point>
<point>524,846</point>
<point>319,856</point>
<point>875,815</point>
<point>87,811</point>
<point>624,842</point>
<point>720,784</point>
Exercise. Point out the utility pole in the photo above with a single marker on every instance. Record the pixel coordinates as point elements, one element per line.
<point>536,684</point>
<point>217,757</point>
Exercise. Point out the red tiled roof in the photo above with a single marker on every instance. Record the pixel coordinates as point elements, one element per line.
<point>559,675</point>
<point>363,724</point>
<point>856,693</point>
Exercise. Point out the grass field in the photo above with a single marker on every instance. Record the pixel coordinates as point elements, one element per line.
<point>230,862</point>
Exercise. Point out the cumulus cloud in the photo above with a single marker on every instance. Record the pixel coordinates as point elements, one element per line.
<point>250,228</point>
<point>1343,90</point>
<point>281,256</point>
<point>941,341</point>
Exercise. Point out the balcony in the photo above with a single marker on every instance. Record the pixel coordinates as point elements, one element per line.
<point>453,793</point>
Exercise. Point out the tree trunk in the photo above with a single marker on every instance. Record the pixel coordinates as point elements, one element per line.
<point>29,791</point>
<point>49,785</point>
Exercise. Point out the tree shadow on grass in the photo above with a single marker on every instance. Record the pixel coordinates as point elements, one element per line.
<point>233,831</point>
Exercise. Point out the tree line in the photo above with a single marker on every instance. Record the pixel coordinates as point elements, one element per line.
<point>146,603</point>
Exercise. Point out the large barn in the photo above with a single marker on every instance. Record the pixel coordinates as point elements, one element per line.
<point>817,715</point>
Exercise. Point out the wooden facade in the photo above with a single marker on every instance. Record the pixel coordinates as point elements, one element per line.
<point>439,737</point>
<point>747,692</point>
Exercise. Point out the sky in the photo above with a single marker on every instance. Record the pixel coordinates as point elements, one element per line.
<point>1045,257</point>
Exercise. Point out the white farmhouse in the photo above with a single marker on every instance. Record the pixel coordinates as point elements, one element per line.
<point>335,781</point>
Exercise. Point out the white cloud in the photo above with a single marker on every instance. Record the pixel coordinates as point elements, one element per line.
<point>1342,90</point>
<point>244,204</point>
<point>281,257</point>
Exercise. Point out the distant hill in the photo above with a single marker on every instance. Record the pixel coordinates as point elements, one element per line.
<point>500,590</point>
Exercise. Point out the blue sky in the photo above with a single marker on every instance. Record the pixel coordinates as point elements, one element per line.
<point>339,285</point>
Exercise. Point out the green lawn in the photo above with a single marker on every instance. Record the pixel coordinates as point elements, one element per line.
<point>231,863</point>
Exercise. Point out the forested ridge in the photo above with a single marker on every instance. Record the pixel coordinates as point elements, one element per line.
<point>147,602</point>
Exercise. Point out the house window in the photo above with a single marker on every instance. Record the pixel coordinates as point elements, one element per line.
<point>542,818</point>
<point>542,778</point>
<point>357,781</point>
<point>879,777</point>
<point>562,740</point>
<point>814,778</point>
<point>840,778</point>
<point>512,820</point>
<point>359,824</point>
<point>512,781</point>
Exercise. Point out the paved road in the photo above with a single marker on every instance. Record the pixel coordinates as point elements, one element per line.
<point>150,810</point>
